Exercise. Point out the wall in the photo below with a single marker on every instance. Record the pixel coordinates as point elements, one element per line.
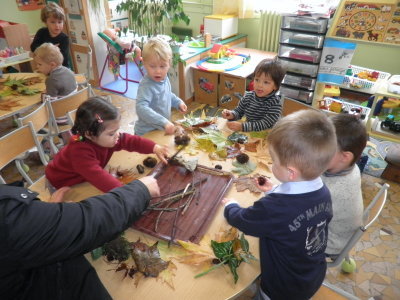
<point>10,12</point>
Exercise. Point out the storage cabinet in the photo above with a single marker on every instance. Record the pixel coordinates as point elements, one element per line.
<point>300,49</point>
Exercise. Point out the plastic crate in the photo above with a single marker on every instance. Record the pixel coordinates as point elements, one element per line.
<point>347,106</point>
<point>364,85</point>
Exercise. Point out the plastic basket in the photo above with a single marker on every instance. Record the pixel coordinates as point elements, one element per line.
<point>347,106</point>
<point>364,85</point>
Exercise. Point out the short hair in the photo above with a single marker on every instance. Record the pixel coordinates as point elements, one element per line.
<point>273,68</point>
<point>351,134</point>
<point>306,140</point>
<point>49,53</point>
<point>159,47</point>
<point>92,115</point>
<point>52,9</point>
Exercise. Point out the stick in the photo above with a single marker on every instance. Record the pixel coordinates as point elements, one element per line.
<point>176,217</point>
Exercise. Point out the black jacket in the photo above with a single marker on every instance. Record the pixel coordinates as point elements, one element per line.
<point>42,244</point>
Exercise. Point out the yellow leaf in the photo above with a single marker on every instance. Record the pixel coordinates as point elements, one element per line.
<point>167,275</point>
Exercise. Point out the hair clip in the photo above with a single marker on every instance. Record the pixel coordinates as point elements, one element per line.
<point>99,119</point>
<point>76,137</point>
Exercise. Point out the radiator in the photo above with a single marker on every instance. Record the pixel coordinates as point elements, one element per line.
<point>268,38</point>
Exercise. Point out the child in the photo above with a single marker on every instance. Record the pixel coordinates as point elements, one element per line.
<point>261,107</point>
<point>155,98</point>
<point>60,81</point>
<point>344,181</point>
<point>291,220</point>
<point>53,16</point>
<point>97,126</point>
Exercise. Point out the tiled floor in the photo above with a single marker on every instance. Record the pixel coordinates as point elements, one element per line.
<point>377,254</point>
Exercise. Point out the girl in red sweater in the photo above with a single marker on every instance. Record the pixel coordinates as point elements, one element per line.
<point>97,136</point>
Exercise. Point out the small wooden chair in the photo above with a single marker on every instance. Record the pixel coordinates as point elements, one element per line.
<point>40,119</point>
<point>16,143</point>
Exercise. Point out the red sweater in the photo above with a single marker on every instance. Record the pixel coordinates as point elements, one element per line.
<point>85,161</point>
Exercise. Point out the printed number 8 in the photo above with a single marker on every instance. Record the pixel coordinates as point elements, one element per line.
<point>329,58</point>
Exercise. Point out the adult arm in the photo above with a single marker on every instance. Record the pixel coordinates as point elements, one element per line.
<point>40,233</point>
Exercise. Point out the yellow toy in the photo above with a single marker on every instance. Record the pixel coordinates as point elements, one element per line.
<point>335,107</point>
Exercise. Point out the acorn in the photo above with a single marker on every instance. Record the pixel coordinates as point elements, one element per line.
<point>261,180</point>
<point>140,169</point>
<point>242,158</point>
<point>182,140</point>
<point>150,162</point>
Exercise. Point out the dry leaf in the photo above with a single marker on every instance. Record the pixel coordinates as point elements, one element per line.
<point>247,183</point>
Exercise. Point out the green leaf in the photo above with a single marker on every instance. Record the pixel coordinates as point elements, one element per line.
<point>243,169</point>
<point>244,243</point>
<point>222,250</point>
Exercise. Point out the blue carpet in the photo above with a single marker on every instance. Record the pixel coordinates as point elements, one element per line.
<point>120,84</point>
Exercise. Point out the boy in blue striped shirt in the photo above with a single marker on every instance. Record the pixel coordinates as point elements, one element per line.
<point>261,107</point>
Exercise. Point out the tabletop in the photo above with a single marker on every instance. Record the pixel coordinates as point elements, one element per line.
<point>21,102</point>
<point>217,284</point>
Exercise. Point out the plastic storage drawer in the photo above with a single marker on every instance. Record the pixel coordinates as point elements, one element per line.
<point>305,24</point>
<point>300,68</point>
<point>292,92</point>
<point>302,54</point>
<point>299,81</point>
<point>302,39</point>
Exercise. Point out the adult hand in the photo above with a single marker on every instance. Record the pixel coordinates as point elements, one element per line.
<point>161,152</point>
<point>151,185</point>
<point>183,107</point>
<point>235,126</point>
<point>169,128</point>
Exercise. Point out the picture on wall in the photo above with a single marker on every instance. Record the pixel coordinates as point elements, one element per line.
<point>30,4</point>
<point>371,22</point>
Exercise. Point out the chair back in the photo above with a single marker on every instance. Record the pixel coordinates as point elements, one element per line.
<point>290,106</point>
<point>39,117</point>
<point>60,107</point>
<point>17,143</point>
<point>371,213</point>
<point>71,116</point>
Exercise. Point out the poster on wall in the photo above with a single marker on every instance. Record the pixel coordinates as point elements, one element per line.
<point>30,4</point>
<point>335,60</point>
<point>377,22</point>
<point>72,6</point>
<point>77,30</point>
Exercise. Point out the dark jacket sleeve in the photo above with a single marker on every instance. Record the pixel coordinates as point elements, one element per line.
<point>39,233</point>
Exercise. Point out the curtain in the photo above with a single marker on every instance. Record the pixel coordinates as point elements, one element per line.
<point>241,8</point>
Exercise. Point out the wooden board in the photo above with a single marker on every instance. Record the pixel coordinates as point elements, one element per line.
<point>194,223</point>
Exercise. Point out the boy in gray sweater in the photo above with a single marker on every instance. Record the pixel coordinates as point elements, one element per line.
<point>343,180</point>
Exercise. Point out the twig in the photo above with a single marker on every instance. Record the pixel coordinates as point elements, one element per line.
<point>176,217</point>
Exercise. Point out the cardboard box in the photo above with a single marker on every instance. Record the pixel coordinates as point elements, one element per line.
<point>223,26</point>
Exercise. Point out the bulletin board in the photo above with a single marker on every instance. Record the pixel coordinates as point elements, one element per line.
<point>375,21</point>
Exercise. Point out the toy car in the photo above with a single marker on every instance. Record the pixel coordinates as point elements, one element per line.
<point>390,124</point>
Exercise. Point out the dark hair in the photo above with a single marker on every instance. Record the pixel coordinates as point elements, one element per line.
<point>273,68</point>
<point>91,116</point>
<point>52,9</point>
<point>351,134</point>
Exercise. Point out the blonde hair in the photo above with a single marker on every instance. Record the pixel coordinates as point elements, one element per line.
<point>157,46</point>
<point>49,53</point>
<point>52,9</point>
<point>306,140</point>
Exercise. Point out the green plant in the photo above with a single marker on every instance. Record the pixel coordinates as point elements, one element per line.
<point>148,17</point>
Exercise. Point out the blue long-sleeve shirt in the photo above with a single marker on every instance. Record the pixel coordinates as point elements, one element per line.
<point>153,105</point>
<point>292,225</point>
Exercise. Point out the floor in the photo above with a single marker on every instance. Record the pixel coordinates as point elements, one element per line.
<point>377,254</point>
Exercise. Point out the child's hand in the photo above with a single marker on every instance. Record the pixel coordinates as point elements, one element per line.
<point>226,200</point>
<point>151,185</point>
<point>227,114</point>
<point>266,187</point>
<point>183,107</point>
<point>169,128</point>
<point>235,126</point>
<point>161,152</point>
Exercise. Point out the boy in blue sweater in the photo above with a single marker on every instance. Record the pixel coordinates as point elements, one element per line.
<point>155,98</point>
<point>292,218</point>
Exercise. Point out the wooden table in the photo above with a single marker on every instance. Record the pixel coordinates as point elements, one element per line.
<point>24,102</point>
<point>217,87</point>
<point>216,285</point>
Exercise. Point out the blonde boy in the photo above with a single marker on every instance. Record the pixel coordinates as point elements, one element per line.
<point>53,16</point>
<point>155,98</point>
<point>60,81</point>
<point>291,220</point>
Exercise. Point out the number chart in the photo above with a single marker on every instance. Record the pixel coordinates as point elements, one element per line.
<point>368,21</point>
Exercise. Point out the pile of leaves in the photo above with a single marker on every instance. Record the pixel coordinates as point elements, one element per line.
<point>146,260</point>
<point>20,86</point>
<point>192,123</point>
<point>227,249</point>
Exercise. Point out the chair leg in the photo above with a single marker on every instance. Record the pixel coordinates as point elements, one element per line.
<point>108,89</point>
